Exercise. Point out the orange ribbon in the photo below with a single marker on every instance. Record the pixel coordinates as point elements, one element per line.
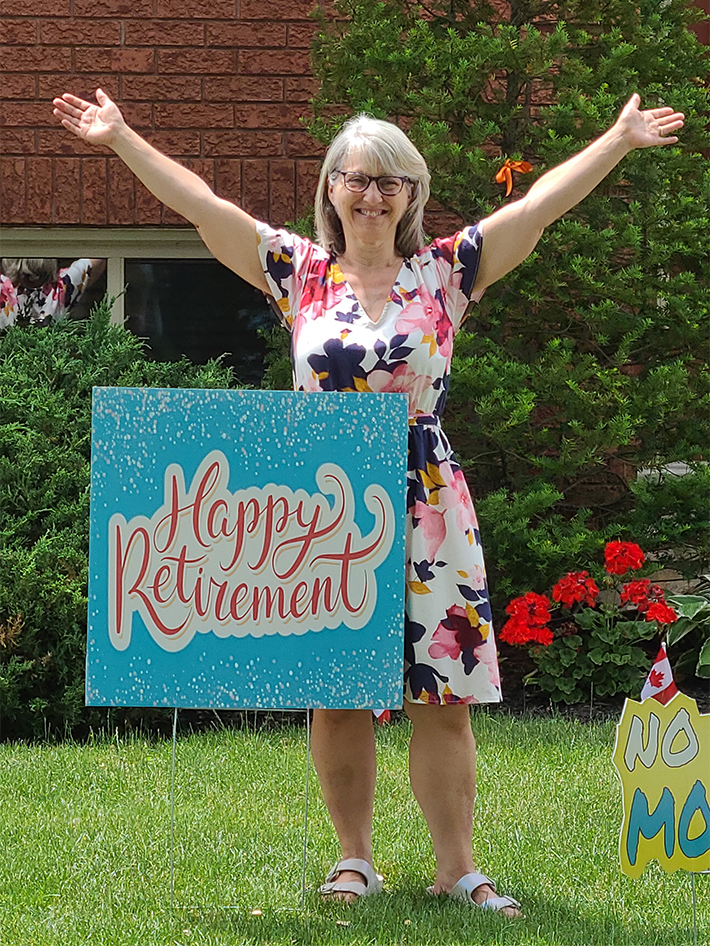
<point>505,175</point>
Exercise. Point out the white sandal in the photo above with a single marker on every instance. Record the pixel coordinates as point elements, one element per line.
<point>464,888</point>
<point>372,884</point>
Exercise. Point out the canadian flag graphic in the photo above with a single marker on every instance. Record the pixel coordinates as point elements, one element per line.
<point>660,683</point>
<point>382,716</point>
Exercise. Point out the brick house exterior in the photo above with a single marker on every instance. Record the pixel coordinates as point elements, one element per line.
<point>218,84</point>
<point>702,30</point>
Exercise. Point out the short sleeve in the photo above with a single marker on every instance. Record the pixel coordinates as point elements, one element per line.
<point>75,278</point>
<point>285,260</point>
<point>8,303</point>
<point>457,259</point>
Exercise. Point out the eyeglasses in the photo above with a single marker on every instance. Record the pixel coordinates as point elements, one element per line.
<point>389,185</point>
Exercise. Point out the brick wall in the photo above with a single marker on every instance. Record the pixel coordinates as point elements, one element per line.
<point>218,84</point>
<point>702,30</point>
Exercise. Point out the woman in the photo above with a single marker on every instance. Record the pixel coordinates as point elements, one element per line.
<point>37,291</point>
<point>371,310</point>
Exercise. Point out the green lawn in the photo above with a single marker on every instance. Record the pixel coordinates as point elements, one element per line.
<point>85,839</point>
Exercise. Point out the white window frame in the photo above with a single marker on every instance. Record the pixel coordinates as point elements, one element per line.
<point>114,244</point>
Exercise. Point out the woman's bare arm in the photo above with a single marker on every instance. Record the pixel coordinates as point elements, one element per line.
<point>228,231</point>
<point>511,233</point>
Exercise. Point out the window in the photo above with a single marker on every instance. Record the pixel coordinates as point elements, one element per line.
<point>198,308</point>
<point>168,289</point>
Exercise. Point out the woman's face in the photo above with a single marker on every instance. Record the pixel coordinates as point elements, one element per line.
<point>369,216</point>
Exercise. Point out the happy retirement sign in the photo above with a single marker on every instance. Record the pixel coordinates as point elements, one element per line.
<point>247,549</point>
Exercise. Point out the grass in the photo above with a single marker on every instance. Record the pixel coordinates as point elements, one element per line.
<point>85,840</point>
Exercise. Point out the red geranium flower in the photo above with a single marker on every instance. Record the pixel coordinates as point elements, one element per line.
<point>516,631</point>
<point>661,612</point>
<point>541,635</point>
<point>528,616</point>
<point>620,557</point>
<point>575,586</point>
<point>636,592</point>
<point>530,608</point>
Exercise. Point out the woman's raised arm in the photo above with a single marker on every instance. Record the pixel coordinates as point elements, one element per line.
<point>228,231</point>
<point>511,233</point>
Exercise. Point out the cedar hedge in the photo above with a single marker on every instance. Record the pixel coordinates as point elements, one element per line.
<point>46,378</point>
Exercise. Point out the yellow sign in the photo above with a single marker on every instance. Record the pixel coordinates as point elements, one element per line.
<point>662,755</point>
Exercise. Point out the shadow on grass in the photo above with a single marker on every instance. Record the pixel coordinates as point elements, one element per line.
<point>403,918</point>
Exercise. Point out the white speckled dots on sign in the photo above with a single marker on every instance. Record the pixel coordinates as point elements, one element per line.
<point>247,549</point>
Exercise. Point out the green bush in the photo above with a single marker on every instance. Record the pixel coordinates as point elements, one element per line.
<point>589,363</point>
<point>46,378</point>
<point>693,629</point>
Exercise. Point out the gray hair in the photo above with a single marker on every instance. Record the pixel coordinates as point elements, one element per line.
<point>31,273</point>
<point>386,150</point>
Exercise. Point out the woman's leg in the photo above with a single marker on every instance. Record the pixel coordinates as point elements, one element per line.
<point>442,771</point>
<point>343,747</point>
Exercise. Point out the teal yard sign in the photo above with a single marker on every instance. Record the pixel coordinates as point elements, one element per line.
<point>247,549</point>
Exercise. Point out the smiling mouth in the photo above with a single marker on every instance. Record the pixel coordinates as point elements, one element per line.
<point>371,213</point>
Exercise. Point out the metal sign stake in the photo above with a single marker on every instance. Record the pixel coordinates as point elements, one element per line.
<point>695,916</point>
<point>305,811</point>
<point>172,814</point>
<point>305,816</point>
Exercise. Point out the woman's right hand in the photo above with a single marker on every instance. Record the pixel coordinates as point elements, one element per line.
<point>97,124</point>
<point>228,231</point>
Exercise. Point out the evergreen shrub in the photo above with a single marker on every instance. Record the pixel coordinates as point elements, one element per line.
<point>583,375</point>
<point>46,378</point>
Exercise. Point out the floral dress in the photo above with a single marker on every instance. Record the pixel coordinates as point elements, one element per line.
<point>449,650</point>
<point>46,304</point>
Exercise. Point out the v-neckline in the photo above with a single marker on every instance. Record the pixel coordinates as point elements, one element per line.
<point>334,262</point>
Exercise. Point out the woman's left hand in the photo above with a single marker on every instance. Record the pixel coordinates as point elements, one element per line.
<point>655,126</point>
